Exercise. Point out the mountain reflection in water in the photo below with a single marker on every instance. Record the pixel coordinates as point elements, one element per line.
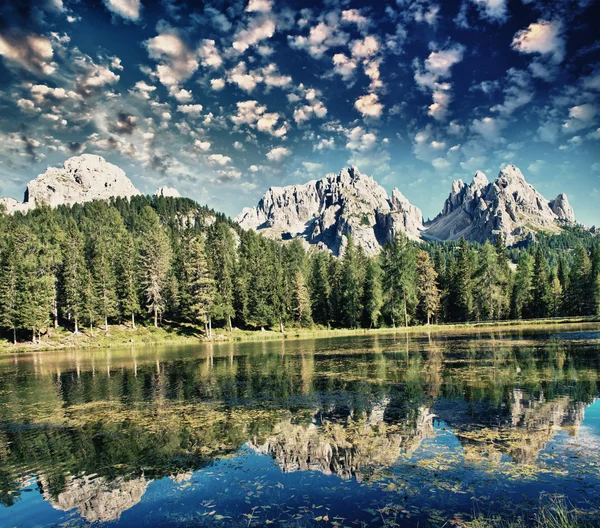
<point>421,427</point>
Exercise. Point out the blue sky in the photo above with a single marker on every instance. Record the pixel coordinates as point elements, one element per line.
<point>225,99</point>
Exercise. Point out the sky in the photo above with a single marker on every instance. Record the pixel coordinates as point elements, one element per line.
<point>223,100</point>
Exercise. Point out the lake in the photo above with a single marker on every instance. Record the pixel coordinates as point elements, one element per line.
<point>374,430</point>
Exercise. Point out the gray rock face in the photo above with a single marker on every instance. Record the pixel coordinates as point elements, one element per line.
<point>81,179</point>
<point>508,206</point>
<point>325,211</point>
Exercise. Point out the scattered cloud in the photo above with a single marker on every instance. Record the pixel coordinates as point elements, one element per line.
<point>128,9</point>
<point>278,154</point>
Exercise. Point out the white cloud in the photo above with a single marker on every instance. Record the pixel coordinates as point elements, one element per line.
<point>368,105</point>
<point>217,84</point>
<point>360,140</point>
<point>260,6</point>
<point>493,10</point>
<point>354,16</point>
<point>204,146</point>
<point>272,77</point>
<point>245,80</point>
<point>580,117</point>
<point>365,48</point>
<point>209,54</point>
<point>193,110</point>
<point>218,159</point>
<point>142,90</point>
<point>537,166</point>
<point>177,62</point>
<point>31,52</point>
<point>488,127</point>
<point>441,164</point>
<point>182,95</point>
<point>325,35</point>
<point>344,66</point>
<point>543,37</point>
<point>428,76</point>
<point>324,144</point>
<point>473,164</point>
<point>256,116</point>
<point>257,30</point>
<point>517,92</point>
<point>278,153</point>
<point>128,9</point>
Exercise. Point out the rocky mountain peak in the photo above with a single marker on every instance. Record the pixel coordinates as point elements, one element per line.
<point>81,179</point>
<point>508,206</point>
<point>325,211</point>
<point>167,192</point>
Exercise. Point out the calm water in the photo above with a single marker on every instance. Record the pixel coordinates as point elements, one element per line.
<point>359,431</point>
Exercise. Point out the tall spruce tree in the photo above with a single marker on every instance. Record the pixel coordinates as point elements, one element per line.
<point>462,282</point>
<point>373,295</point>
<point>540,289</point>
<point>221,252</point>
<point>399,281</point>
<point>301,301</point>
<point>351,285</point>
<point>73,275</point>
<point>155,262</point>
<point>428,292</point>
<point>320,288</point>
<point>522,289</point>
<point>128,287</point>
<point>9,282</point>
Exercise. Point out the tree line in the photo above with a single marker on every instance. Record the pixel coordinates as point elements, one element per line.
<point>166,260</point>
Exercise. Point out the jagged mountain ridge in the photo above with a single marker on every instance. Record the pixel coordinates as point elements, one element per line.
<point>508,206</point>
<point>81,179</point>
<point>323,211</point>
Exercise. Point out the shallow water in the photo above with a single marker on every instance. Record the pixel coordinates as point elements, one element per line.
<point>353,431</point>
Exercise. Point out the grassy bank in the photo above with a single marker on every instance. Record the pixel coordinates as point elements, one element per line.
<point>121,336</point>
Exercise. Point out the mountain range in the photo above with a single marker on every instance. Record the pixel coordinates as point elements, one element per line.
<point>323,212</point>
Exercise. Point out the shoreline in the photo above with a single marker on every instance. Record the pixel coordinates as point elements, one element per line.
<point>119,336</point>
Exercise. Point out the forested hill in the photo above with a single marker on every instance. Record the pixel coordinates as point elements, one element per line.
<point>168,260</point>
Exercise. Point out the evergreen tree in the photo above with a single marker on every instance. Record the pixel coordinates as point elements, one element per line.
<point>127,278</point>
<point>522,289</point>
<point>578,293</point>
<point>198,283</point>
<point>155,261</point>
<point>540,294</point>
<point>221,249</point>
<point>428,292</point>
<point>462,282</point>
<point>320,289</point>
<point>399,281</point>
<point>373,296</point>
<point>351,285</point>
<point>556,295</point>
<point>73,273</point>
<point>594,308</point>
<point>301,301</point>
<point>9,283</point>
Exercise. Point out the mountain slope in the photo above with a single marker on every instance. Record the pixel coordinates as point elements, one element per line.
<point>509,206</point>
<point>323,211</point>
<point>81,179</point>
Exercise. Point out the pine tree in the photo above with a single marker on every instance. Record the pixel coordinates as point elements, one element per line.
<point>320,289</point>
<point>522,289</point>
<point>556,295</point>
<point>72,274</point>
<point>578,293</point>
<point>155,261</point>
<point>351,285</point>
<point>399,281</point>
<point>462,282</point>
<point>503,280</point>
<point>127,278</point>
<point>595,280</point>
<point>540,291</point>
<point>9,283</point>
<point>198,283</point>
<point>428,292</point>
<point>373,296</point>
<point>221,249</point>
<point>301,301</point>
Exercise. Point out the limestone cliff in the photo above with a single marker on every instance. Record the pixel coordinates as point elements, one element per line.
<point>508,206</point>
<point>325,211</point>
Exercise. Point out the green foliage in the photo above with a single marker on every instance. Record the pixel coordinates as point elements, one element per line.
<point>100,263</point>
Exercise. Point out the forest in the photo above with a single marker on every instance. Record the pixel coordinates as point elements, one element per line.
<point>165,260</point>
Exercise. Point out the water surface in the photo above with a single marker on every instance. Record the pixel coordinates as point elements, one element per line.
<point>353,431</point>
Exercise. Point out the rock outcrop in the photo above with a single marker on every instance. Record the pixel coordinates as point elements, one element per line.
<point>81,179</point>
<point>508,206</point>
<point>167,192</point>
<point>325,211</point>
